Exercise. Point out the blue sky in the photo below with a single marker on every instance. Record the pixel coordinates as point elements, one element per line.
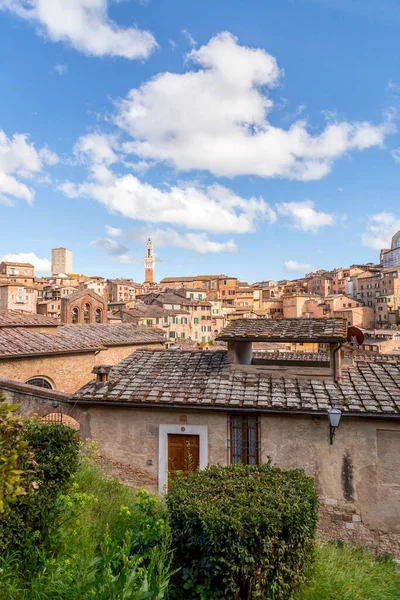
<point>259,139</point>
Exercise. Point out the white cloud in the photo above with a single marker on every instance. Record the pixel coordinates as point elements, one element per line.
<point>40,264</point>
<point>396,155</point>
<point>380,230</point>
<point>215,117</point>
<point>197,242</point>
<point>96,148</point>
<point>20,160</point>
<point>298,267</point>
<point>214,208</point>
<point>85,25</point>
<point>113,231</point>
<point>111,246</point>
<point>303,215</point>
<point>190,38</point>
<point>61,69</point>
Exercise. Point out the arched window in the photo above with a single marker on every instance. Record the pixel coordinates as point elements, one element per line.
<point>98,315</point>
<point>75,315</point>
<point>86,313</point>
<point>40,382</point>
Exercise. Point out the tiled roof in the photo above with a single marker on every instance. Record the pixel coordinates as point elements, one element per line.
<point>120,334</point>
<point>293,330</point>
<point>15,318</point>
<point>18,341</point>
<point>204,379</point>
<point>18,264</point>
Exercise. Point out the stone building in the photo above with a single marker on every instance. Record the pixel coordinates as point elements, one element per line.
<point>61,261</point>
<point>18,297</point>
<point>17,272</point>
<point>84,306</point>
<point>122,290</point>
<point>64,359</point>
<point>236,407</point>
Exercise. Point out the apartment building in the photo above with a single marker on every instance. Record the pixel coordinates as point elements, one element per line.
<point>122,290</point>
<point>320,285</point>
<point>18,297</point>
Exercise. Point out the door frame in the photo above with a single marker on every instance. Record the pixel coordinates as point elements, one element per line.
<point>182,429</point>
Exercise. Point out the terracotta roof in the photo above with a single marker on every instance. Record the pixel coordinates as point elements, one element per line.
<point>103,334</point>
<point>15,318</point>
<point>19,341</point>
<point>292,330</point>
<point>204,379</point>
<point>18,264</point>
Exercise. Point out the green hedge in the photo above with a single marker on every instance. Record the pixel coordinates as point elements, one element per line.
<point>28,521</point>
<point>242,532</point>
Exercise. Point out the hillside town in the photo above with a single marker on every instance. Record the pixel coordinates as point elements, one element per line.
<point>199,300</point>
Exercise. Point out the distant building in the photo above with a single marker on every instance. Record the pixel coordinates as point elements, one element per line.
<point>11,272</point>
<point>84,306</point>
<point>391,258</point>
<point>149,262</point>
<point>18,297</point>
<point>61,261</point>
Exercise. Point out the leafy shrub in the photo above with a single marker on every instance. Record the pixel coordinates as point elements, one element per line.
<point>242,532</point>
<point>14,452</point>
<point>29,520</point>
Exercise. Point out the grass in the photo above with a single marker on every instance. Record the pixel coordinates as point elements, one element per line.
<point>343,572</point>
<point>108,543</point>
<point>112,544</point>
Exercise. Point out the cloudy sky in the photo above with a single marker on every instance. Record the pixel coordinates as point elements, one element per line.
<point>258,139</point>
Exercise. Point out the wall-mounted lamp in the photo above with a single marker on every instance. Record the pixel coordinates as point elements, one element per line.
<point>55,404</point>
<point>334,416</point>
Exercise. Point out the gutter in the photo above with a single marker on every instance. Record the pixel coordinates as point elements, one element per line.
<point>258,411</point>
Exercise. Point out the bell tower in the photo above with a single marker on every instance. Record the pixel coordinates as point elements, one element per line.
<point>149,262</point>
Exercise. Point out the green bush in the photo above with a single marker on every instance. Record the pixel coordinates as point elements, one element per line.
<point>14,453</point>
<point>30,519</point>
<point>242,532</point>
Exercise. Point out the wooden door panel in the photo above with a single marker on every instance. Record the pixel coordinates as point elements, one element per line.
<point>183,453</point>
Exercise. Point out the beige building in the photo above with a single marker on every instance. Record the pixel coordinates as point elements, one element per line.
<point>18,297</point>
<point>232,408</point>
<point>64,360</point>
<point>61,261</point>
<point>122,290</point>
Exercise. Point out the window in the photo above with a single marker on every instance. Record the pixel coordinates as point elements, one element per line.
<point>196,320</point>
<point>172,334</point>
<point>40,382</point>
<point>183,335</point>
<point>75,315</point>
<point>244,440</point>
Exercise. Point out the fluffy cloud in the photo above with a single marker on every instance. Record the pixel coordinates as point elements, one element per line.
<point>215,117</point>
<point>303,215</point>
<point>197,242</point>
<point>380,230</point>
<point>298,267</point>
<point>85,25</point>
<point>97,149</point>
<point>215,209</point>
<point>40,264</point>
<point>20,160</point>
<point>113,231</point>
<point>111,246</point>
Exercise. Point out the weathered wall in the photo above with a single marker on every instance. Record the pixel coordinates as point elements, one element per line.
<point>67,372</point>
<point>357,477</point>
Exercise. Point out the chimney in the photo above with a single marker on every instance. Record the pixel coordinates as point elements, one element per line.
<point>102,373</point>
